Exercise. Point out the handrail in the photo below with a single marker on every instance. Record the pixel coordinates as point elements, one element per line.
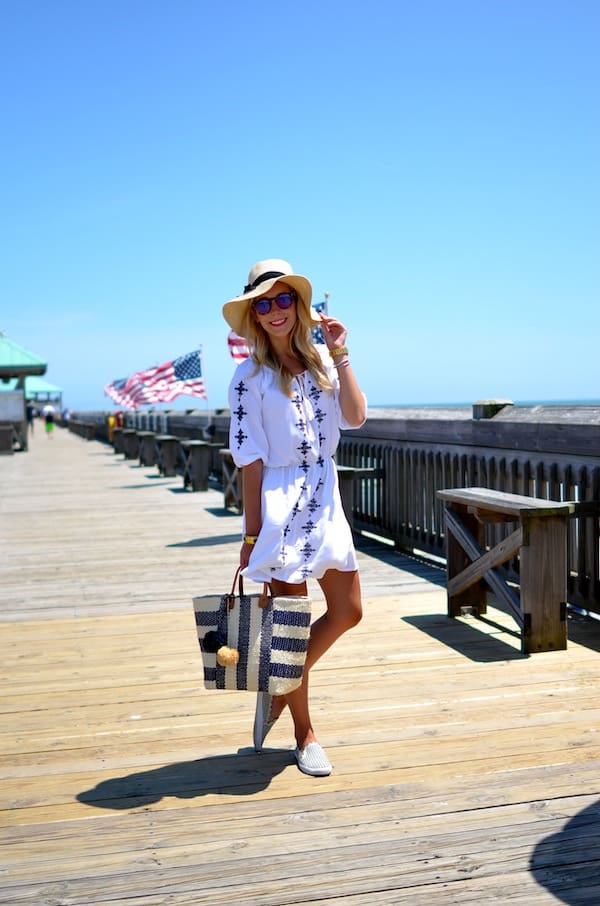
<point>550,455</point>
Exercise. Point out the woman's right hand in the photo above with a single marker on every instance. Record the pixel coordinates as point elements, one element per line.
<point>245,553</point>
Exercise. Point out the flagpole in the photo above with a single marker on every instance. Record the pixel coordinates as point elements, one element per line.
<point>326,303</point>
<point>208,417</point>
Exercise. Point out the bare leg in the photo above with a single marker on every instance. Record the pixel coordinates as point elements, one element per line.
<point>344,610</point>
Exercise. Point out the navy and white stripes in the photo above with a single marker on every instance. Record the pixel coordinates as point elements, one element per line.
<point>272,641</point>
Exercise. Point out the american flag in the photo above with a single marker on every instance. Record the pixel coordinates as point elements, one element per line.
<point>119,394</point>
<point>317,333</point>
<point>161,384</point>
<point>237,347</point>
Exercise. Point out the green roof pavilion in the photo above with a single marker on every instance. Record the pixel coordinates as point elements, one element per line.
<point>16,362</point>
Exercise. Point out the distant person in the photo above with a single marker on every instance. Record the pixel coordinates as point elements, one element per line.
<point>49,413</point>
<point>288,402</point>
<point>31,413</point>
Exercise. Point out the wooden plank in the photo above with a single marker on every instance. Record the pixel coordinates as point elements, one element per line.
<point>502,502</point>
<point>463,770</point>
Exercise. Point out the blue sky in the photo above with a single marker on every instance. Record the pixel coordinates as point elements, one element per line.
<point>431,165</point>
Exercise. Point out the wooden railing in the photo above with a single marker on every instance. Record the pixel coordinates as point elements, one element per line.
<point>544,453</point>
<point>416,458</point>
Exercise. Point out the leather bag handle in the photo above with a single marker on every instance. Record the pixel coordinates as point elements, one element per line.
<point>263,599</point>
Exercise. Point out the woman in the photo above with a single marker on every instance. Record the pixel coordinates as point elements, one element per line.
<point>288,402</point>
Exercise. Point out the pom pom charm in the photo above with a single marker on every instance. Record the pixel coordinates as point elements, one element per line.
<point>227,657</point>
<point>216,643</point>
<point>212,641</point>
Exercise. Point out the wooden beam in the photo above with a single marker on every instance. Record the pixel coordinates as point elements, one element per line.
<point>489,560</point>
<point>475,552</point>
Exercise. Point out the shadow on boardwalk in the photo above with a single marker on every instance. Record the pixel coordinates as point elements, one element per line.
<point>468,641</point>
<point>243,774</point>
<point>566,863</point>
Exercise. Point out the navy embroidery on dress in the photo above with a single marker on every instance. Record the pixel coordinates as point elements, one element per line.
<point>240,389</point>
<point>307,550</point>
<point>241,437</point>
<point>312,506</point>
<point>308,502</point>
<point>240,412</point>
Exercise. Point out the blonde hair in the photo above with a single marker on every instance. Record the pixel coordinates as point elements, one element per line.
<point>301,344</point>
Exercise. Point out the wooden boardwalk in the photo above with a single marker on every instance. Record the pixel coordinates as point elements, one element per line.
<point>464,772</point>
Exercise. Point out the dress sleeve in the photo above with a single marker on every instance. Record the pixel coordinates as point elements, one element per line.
<point>247,439</point>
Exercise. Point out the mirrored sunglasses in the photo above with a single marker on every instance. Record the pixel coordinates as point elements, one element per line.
<point>282,300</point>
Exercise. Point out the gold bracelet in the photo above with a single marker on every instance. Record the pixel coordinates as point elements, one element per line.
<point>341,350</point>
<point>250,539</point>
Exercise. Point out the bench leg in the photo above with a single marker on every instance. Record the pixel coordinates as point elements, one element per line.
<point>232,486</point>
<point>544,584</point>
<point>168,459</point>
<point>197,468</point>
<point>474,597</point>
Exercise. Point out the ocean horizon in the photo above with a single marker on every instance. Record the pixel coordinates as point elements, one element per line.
<point>580,402</point>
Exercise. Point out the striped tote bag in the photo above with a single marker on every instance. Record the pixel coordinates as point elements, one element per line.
<point>253,642</point>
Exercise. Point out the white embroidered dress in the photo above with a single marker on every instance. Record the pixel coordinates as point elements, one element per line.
<point>304,529</point>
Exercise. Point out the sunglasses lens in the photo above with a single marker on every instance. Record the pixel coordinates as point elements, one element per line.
<point>284,300</point>
<point>262,306</point>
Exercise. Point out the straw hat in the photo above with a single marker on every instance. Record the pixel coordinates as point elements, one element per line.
<point>264,275</point>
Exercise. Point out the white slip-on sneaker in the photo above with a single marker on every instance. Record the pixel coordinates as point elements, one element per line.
<point>312,760</point>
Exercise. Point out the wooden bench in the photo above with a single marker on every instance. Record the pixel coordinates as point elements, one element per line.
<point>196,456</point>
<point>146,448</point>
<point>81,428</point>
<point>347,478</point>
<point>130,443</point>
<point>232,481</point>
<point>540,541</point>
<point>167,449</point>
<point>117,440</point>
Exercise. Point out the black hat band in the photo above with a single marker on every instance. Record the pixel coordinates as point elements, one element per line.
<point>269,275</point>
